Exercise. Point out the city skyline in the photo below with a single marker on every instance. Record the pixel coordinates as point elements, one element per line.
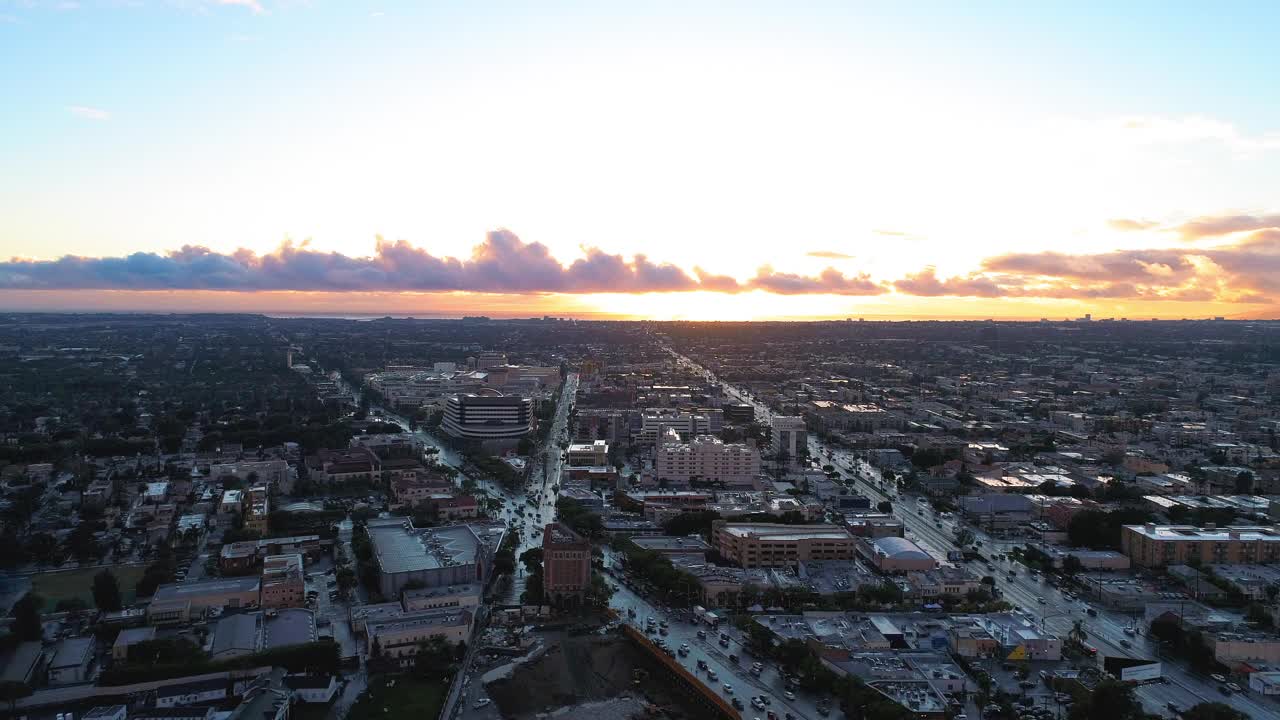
<point>699,162</point>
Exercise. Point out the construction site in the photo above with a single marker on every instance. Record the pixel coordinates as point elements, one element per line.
<point>583,671</point>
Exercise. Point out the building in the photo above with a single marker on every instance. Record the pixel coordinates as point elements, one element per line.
<point>488,415</point>
<point>655,422</point>
<point>195,693</point>
<point>706,459</point>
<point>942,582</point>
<point>232,502</point>
<point>256,509</point>
<point>686,547</point>
<point>107,712</point>
<point>358,465</point>
<point>1019,638</point>
<point>592,454</point>
<point>177,602</point>
<point>1265,683</point>
<point>465,597</point>
<point>400,637</point>
<point>412,491</point>
<point>753,545</point>
<point>237,636</point>
<point>453,555</point>
<point>71,660</point>
<point>272,473</point>
<point>1160,545</point>
<point>129,637</point>
<point>787,435</point>
<point>1233,648</point>
<point>896,555</point>
<point>283,584</point>
<point>566,564</point>
<point>874,525</point>
<point>318,689</point>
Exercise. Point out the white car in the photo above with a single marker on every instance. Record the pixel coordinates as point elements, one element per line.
<point>728,689</point>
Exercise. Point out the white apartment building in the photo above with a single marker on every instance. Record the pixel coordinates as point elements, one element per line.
<point>706,458</point>
<point>788,435</point>
<point>654,423</point>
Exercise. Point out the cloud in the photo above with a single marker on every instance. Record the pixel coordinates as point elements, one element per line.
<point>88,113</point>
<point>501,264</point>
<point>1248,271</point>
<point>926,283</point>
<point>830,281</point>
<point>1129,225</point>
<point>1217,225</point>
<point>251,4</point>
<point>829,255</point>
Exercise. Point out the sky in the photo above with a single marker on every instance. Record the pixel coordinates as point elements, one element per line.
<point>746,160</point>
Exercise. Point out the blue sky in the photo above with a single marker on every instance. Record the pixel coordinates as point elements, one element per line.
<point>719,135</point>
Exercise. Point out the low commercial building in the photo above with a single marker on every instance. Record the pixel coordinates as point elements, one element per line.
<point>465,597</point>
<point>400,637</point>
<point>1232,648</point>
<point>691,546</point>
<point>71,660</point>
<point>204,692</point>
<point>943,582</point>
<point>896,555</point>
<point>198,596</point>
<point>592,454</point>
<point>257,509</point>
<point>1020,639</point>
<point>283,584</point>
<point>453,555</point>
<point>129,637</point>
<point>1088,559</point>
<point>754,545</point>
<point>1153,545</point>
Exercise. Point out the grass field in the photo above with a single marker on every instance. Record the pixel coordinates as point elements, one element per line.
<point>55,586</point>
<point>409,699</point>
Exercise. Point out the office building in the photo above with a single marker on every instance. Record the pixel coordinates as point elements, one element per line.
<point>488,415</point>
<point>753,545</point>
<point>787,435</point>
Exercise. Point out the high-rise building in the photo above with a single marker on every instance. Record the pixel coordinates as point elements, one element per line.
<point>566,564</point>
<point>788,435</point>
<point>488,415</point>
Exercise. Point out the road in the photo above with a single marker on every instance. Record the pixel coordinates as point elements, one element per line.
<point>737,675</point>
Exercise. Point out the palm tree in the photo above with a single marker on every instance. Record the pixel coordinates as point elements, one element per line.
<point>1077,635</point>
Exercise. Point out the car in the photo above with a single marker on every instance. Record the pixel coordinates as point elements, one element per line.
<point>1091,612</point>
<point>702,634</point>
<point>1173,707</point>
<point>728,689</point>
<point>738,704</point>
<point>1217,677</point>
<point>1130,631</point>
<point>1125,643</point>
<point>711,675</point>
<point>789,695</point>
<point>766,699</point>
<point>1040,600</point>
<point>724,642</point>
<point>733,658</point>
<point>1234,687</point>
<point>702,664</point>
<point>757,703</point>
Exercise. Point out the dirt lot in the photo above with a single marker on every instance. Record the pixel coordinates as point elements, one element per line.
<point>579,669</point>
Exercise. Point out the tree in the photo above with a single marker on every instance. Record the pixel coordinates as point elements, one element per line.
<point>106,591</point>
<point>11,692</point>
<point>1213,711</point>
<point>1072,565</point>
<point>885,506</point>
<point>1244,482</point>
<point>27,624</point>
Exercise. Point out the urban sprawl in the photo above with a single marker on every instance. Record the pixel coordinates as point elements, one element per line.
<point>236,516</point>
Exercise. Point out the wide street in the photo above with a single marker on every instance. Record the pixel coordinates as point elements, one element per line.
<point>683,628</point>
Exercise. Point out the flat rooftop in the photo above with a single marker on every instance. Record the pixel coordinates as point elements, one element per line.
<point>1219,534</point>
<point>188,590</point>
<point>769,531</point>
<point>400,547</point>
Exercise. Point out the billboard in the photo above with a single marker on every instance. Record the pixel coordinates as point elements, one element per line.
<point>1132,670</point>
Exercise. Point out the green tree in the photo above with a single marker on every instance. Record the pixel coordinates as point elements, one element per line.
<point>27,624</point>
<point>1213,711</point>
<point>1244,482</point>
<point>1071,565</point>
<point>106,591</point>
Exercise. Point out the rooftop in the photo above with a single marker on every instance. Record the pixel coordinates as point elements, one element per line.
<point>400,547</point>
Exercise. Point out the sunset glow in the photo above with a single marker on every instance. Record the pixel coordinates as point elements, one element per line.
<point>883,160</point>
